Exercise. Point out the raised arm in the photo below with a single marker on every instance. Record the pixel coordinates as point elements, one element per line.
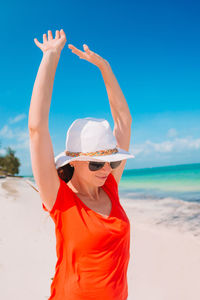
<point>42,155</point>
<point>120,113</point>
<point>118,105</point>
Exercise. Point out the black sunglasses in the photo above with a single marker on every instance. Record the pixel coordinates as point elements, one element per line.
<point>94,166</point>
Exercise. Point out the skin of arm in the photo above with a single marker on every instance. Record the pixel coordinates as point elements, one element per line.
<point>42,92</point>
<point>121,115</point>
<point>118,105</point>
<point>41,148</point>
<point>43,86</point>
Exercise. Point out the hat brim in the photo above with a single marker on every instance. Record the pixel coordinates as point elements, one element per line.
<point>62,159</point>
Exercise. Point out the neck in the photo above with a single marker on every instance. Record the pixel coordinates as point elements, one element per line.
<point>84,189</point>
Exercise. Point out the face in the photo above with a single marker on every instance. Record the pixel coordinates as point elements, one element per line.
<point>82,171</point>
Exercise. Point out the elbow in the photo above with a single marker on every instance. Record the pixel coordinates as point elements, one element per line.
<point>130,119</point>
<point>32,131</point>
<point>33,128</point>
<point>37,124</point>
<point>127,120</point>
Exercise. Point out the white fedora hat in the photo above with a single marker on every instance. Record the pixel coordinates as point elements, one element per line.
<point>90,139</point>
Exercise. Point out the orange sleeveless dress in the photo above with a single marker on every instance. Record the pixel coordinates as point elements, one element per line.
<point>92,250</point>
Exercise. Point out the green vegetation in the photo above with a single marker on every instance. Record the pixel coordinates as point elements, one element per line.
<point>9,164</point>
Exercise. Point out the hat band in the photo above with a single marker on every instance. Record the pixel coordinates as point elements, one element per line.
<point>98,153</point>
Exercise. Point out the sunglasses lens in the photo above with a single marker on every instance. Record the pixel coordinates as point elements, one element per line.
<point>115,164</point>
<point>94,166</point>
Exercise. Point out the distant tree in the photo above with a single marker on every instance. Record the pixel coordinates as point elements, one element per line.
<point>9,163</point>
<point>1,163</point>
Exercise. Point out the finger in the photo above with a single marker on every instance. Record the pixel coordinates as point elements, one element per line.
<point>62,34</point>
<point>79,53</point>
<point>75,50</point>
<point>57,36</point>
<point>88,51</point>
<point>70,46</point>
<point>37,43</point>
<point>44,38</point>
<point>86,48</point>
<point>50,36</point>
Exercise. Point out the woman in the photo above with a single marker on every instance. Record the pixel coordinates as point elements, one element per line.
<point>80,187</point>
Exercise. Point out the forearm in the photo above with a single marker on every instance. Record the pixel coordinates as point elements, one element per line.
<point>119,107</point>
<point>42,91</point>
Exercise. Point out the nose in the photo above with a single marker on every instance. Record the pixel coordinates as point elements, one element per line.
<point>107,166</point>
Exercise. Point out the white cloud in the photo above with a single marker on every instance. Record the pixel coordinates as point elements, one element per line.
<point>19,136</point>
<point>6,132</point>
<point>22,135</point>
<point>166,146</point>
<point>18,140</point>
<point>22,140</point>
<point>17,118</point>
<point>176,145</point>
<point>172,132</point>
<point>2,152</point>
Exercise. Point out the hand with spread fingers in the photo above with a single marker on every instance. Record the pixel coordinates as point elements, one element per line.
<point>89,55</point>
<point>52,44</point>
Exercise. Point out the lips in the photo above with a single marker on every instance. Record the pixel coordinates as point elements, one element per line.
<point>102,177</point>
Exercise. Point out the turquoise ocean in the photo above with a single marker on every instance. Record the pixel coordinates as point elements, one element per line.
<point>165,196</point>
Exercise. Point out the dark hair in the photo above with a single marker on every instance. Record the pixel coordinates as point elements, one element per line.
<point>66,172</point>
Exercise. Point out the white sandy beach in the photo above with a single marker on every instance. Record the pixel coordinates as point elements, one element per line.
<point>164,263</point>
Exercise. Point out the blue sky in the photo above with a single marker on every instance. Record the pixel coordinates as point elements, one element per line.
<point>153,48</point>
